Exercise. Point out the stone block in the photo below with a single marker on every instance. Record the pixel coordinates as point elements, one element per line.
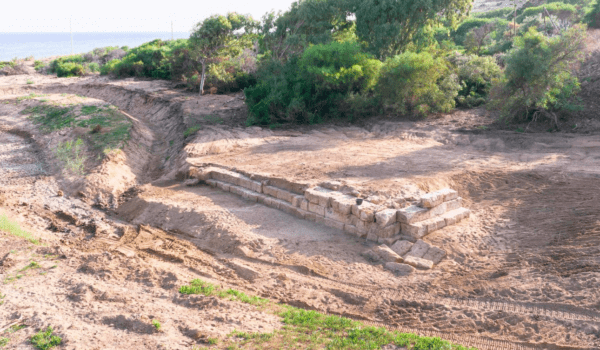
<point>317,209</point>
<point>319,195</point>
<point>453,204</point>
<point>454,216</point>
<point>372,236</point>
<point>250,185</point>
<point>386,254</point>
<point>235,189</point>
<point>287,207</point>
<point>260,198</point>
<point>449,194</point>
<point>226,176</point>
<point>351,229</point>
<point>334,223</point>
<point>419,263</point>
<point>402,247</point>
<point>367,207</point>
<point>370,255</point>
<point>304,204</point>
<point>284,184</point>
<point>385,217</point>
<point>435,254</point>
<point>270,190</point>
<point>416,230</point>
<point>399,268</point>
<point>212,183</point>
<point>224,186</point>
<point>306,215</point>
<point>250,195</point>
<point>418,249</point>
<point>389,231</point>
<point>266,200</point>
<point>412,214</point>
<point>389,241</point>
<point>436,198</point>
<point>319,219</point>
<point>296,200</point>
<point>191,182</point>
<point>332,214</point>
<point>343,204</point>
<point>285,195</point>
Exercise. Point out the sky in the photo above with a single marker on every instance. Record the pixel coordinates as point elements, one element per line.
<point>123,15</point>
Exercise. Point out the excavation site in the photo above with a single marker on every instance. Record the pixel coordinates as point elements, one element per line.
<point>137,214</point>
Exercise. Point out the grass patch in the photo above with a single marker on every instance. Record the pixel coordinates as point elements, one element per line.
<point>30,96</point>
<point>50,118</point>
<point>191,130</point>
<point>4,341</point>
<point>15,328</point>
<point>29,81</point>
<point>44,340</point>
<point>15,229</point>
<point>309,329</point>
<point>31,265</point>
<point>70,153</point>
<point>198,286</point>
<point>156,324</point>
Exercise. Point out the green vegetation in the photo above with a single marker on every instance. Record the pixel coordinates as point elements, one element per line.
<point>191,130</point>
<point>29,81</point>
<point>13,228</point>
<point>592,17</point>
<point>311,329</point>
<point>156,324</point>
<point>71,155</point>
<point>4,341</point>
<point>476,75</point>
<point>31,265</point>
<point>44,340</point>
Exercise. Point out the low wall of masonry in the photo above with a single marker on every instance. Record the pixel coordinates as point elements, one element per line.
<point>400,231</point>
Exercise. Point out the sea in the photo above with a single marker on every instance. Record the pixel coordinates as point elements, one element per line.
<point>41,45</point>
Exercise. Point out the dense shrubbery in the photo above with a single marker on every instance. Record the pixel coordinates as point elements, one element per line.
<point>593,16</point>
<point>417,83</point>
<point>538,78</point>
<point>475,75</point>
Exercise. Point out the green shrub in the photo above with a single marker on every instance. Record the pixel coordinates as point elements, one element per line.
<point>38,65</point>
<point>503,13</point>
<point>561,10</point>
<point>94,67</point>
<point>475,75</point>
<point>460,34</point>
<point>539,80</point>
<point>417,83</point>
<point>320,84</point>
<point>592,18</point>
<point>71,154</point>
<point>45,340</point>
<point>69,69</point>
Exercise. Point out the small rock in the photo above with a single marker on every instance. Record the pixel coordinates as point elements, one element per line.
<point>402,247</point>
<point>419,249</point>
<point>191,182</point>
<point>419,262</point>
<point>386,254</point>
<point>245,272</point>
<point>435,254</point>
<point>370,255</point>
<point>60,193</point>
<point>399,268</point>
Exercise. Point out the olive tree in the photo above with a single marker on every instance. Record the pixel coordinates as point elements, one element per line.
<point>219,36</point>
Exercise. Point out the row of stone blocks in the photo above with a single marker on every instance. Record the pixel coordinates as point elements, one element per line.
<point>403,256</point>
<point>338,210</point>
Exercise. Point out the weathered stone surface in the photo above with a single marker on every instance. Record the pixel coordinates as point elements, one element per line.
<point>320,196</point>
<point>304,204</point>
<point>270,190</point>
<point>399,268</point>
<point>227,176</point>
<point>435,254</point>
<point>449,194</point>
<point>317,209</point>
<point>370,255</point>
<point>372,236</point>
<point>244,271</point>
<point>366,207</point>
<point>418,249</point>
<point>419,263</point>
<point>285,195</point>
<point>332,214</point>
<point>286,207</point>
<point>319,219</point>
<point>306,215</point>
<point>249,184</point>
<point>351,229</point>
<point>297,200</point>
<point>389,241</point>
<point>385,217</point>
<point>402,247</point>
<point>412,214</point>
<point>224,186</point>
<point>266,200</point>
<point>343,204</point>
<point>433,199</point>
<point>387,254</point>
<point>212,183</point>
<point>201,174</point>
<point>453,204</point>
<point>191,182</point>
<point>435,224</point>
<point>389,231</point>
<point>454,216</point>
<point>332,185</point>
<point>334,223</point>
<point>416,230</point>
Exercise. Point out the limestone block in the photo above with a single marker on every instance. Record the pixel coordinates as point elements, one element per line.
<point>453,204</point>
<point>343,204</point>
<point>306,215</point>
<point>416,230</point>
<point>287,207</point>
<point>435,224</point>
<point>419,249</point>
<point>224,186</point>
<point>249,184</point>
<point>402,247</point>
<point>454,216</point>
<point>389,231</point>
<point>270,190</point>
<point>304,204</point>
<point>296,200</point>
<point>212,183</point>
<point>386,254</point>
<point>385,217</point>
<point>399,268</point>
<point>365,211</point>
<point>293,187</point>
<point>351,229</point>
<point>249,195</point>
<point>412,214</point>
<point>433,199</point>
<point>334,223</point>
<point>435,254</point>
<point>366,226</point>
<point>419,263</point>
<point>332,214</point>
<point>317,209</point>
<point>319,195</point>
<point>191,182</point>
<point>226,176</point>
<point>319,219</point>
<point>372,236</point>
<point>370,255</point>
<point>285,195</point>
<point>260,198</point>
<point>389,241</point>
<point>235,190</point>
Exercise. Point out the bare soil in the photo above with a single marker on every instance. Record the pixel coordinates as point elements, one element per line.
<point>522,273</point>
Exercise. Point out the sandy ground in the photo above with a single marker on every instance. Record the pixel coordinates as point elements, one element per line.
<point>522,273</point>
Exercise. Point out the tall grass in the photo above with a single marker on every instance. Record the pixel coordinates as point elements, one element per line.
<point>13,227</point>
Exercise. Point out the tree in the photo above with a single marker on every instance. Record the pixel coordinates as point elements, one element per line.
<point>389,26</point>
<point>477,37</point>
<point>219,36</point>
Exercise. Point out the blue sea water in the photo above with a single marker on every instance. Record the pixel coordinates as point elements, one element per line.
<point>42,45</point>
